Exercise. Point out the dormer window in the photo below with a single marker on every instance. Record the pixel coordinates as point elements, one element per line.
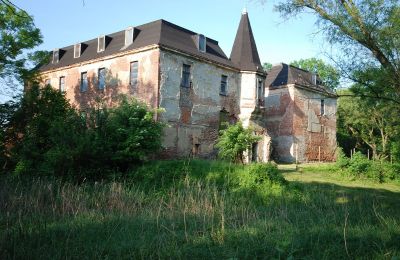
<point>128,36</point>
<point>101,43</point>
<point>202,43</point>
<point>77,50</point>
<point>314,79</point>
<point>56,56</point>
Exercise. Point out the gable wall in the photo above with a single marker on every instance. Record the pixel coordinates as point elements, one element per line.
<point>314,134</point>
<point>297,129</point>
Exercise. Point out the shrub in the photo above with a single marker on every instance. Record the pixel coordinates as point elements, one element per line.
<point>359,164</point>
<point>234,141</point>
<point>342,160</point>
<point>50,138</point>
<point>382,171</point>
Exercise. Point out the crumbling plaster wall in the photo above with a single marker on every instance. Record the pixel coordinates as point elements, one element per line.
<point>251,115</point>
<point>298,130</point>
<point>117,80</point>
<point>314,133</point>
<point>278,114</point>
<point>193,114</point>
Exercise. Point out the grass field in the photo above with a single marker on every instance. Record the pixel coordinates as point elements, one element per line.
<point>203,212</point>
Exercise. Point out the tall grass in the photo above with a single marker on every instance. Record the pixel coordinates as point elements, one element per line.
<point>198,209</point>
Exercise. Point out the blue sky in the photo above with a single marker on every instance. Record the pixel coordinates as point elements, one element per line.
<point>65,22</point>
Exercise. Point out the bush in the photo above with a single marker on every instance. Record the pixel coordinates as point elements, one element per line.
<point>360,167</point>
<point>359,164</point>
<point>50,138</point>
<point>342,160</point>
<point>234,141</point>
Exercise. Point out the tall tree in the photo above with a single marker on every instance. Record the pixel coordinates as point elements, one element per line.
<point>367,31</point>
<point>18,35</point>
<point>370,121</point>
<point>329,74</point>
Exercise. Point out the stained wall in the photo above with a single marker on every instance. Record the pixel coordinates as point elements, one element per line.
<point>297,127</point>
<point>194,114</point>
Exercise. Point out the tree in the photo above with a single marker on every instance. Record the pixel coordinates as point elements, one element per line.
<point>329,74</point>
<point>370,121</point>
<point>267,66</point>
<point>234,141</point>
<point>367,32</point>
<point>18,34</point>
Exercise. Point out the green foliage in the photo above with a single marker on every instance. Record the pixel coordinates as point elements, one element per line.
<point>234,141</point>
<point>342,161</point>
<point>50,138</point>
<point>267,66</point>
<point>162,175</point>
<point>197,218</point>
<point>329,75</point>
<point>368,122</point>
<point>360,167</point>
<point>17,35</point>
<point>132,133</point>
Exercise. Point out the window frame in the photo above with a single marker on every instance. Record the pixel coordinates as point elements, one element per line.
<point>56,56</point>
<point>129,36</point>
<point>99,74</point>
<point>133,70</point>
<point>84,79</point>
<point>61,84</point>
<point>260,92</point>
<point>77,50</point>
<point>186,76</point>
<point>202,43</point>
<point>103,39</point>
<point>225,84</point>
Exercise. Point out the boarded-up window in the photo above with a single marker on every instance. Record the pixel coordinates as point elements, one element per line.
<point>128,36</point>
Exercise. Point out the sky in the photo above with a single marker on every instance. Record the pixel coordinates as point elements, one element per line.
<point>66,22</point>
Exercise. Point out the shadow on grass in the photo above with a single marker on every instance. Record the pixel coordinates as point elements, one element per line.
<point>306,220</point>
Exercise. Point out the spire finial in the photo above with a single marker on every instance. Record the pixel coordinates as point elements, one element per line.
<point>244,11</point>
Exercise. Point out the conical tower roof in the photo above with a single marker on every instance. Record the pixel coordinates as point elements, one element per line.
<point>244,52</point>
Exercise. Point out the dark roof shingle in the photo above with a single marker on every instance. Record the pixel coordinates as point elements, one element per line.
<point>244,51</point>
<point>284,74</point>
<point>159,32</point>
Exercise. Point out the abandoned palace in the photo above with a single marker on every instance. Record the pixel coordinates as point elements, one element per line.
<point>189,76</point>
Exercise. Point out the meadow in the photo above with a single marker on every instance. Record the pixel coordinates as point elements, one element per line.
<point>201,209</point>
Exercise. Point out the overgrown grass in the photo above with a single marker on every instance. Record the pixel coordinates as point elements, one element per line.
<point>199,209</point>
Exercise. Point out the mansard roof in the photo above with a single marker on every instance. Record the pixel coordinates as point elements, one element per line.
<point>160,32</point>
<point>244,51</point>
<point>284,74</point>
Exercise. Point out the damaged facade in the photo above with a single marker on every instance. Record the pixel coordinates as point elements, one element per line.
<point>199,88</point>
